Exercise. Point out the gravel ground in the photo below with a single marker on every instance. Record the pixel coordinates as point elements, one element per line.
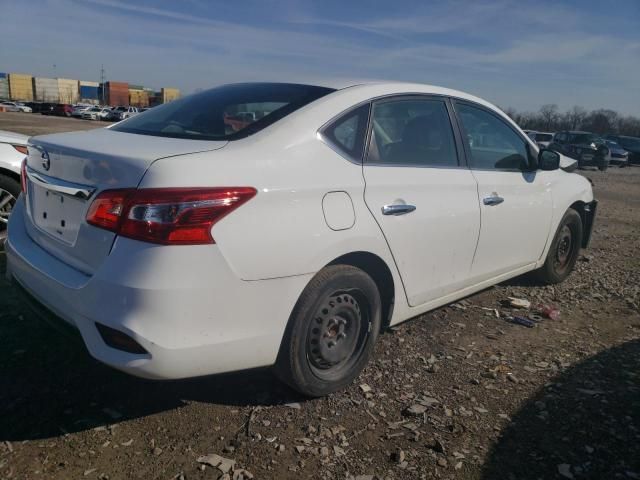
<point>453,394</point>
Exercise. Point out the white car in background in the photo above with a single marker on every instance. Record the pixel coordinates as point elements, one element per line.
<point>16,107</point>
<point>96,113</point>
<point>78,110</point>
<point>542,139</point>
<point>179,247</point>
<point>13,150</point>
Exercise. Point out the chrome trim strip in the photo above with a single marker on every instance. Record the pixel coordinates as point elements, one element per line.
<point>60,186</point>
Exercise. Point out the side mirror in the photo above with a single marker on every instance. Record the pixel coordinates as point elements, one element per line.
<point>548,159</point>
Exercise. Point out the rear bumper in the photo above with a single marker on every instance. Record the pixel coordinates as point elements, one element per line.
<point>183,305</point>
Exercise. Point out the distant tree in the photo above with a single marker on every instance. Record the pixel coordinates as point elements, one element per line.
<point>601,121</point>
<point>575,117</point>
<point>549,116</point>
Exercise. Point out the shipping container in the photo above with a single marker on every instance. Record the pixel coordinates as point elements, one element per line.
<point>85,83</point>
<point>20,87</point>
<point>138,98</point>
<point>4,89</point>
<point>88,92</point>
<point>3,75</point>
<point>46,90</point>
<point>68,90</point>
<point>135,87</point>
<point>117,93</point>
<point>169,94</point>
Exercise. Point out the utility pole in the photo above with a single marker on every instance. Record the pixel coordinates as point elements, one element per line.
<point>102,82</point>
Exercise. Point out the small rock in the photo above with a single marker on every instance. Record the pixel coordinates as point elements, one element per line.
<point>157,451</point>
<point>128,443</point>
<point>88,472</point>
<point>398,456</point>
<point>564,469</point>
<point>442,462</point>
<point>365,388</point>
<point>519,302</point>
<point>415,410</point>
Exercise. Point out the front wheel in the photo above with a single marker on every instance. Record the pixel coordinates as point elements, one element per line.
<point>564,250</point>
<point>331,332</point>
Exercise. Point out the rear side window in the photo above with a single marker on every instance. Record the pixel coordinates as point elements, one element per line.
<point>348,132</point>
<point>411,132</point>
<point>224,113</point>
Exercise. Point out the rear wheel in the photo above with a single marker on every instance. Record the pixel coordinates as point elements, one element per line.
<point>564,250</point>
<point>9,191</point>
<point>331,332</point>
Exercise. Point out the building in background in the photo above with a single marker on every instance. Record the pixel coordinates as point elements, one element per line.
<point>4,87</point>
<point>68,90</point>
<point>89,92</point>
<point>20,87</point>
<point>138,96</point>
<point>116,93</point>
<point>46,90</point>
<point>169,94</point>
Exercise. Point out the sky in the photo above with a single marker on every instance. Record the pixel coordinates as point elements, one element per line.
<point>514,53</point>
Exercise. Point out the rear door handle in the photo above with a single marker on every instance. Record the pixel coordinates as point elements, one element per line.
<point>397,209</point>
<point>493,200</point>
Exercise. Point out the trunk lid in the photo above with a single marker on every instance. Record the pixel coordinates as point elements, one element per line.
<point>65,169</point>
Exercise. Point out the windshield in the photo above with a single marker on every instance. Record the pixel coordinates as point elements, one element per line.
<point>586,138</point>
<point>224,113</point>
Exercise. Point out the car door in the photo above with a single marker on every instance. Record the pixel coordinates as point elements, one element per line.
<point>421,194</point>
<point>515,202</point>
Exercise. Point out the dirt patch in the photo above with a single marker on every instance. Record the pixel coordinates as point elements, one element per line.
<point>456,393</point>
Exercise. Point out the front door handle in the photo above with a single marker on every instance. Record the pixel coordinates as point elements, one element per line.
<point>493,200</point>
<point>397,209</point>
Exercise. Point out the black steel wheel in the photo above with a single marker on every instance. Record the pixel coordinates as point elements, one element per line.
<point>331,331</point>
<point>564,250</point>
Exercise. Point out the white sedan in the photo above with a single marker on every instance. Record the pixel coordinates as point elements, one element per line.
<point>96,113</point>
<point>16,107</point>
<point>180,243</point>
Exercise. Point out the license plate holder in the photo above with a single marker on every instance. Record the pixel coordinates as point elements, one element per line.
<point>56,214</point>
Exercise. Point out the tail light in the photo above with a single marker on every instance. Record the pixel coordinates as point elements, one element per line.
<point>23,176</point>
<point>21,148</point>
<point>169,216</point>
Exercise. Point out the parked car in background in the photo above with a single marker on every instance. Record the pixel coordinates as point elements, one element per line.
<point>62,110</point>
<point>16,107</point>
<point>78,110</point>
<point>47,108</point>
<point>542,139</point>
<point>174,213</point>
<point>617,154</point>
<point>96,113</point>
<point>131,111</point>
<point>587,148</point>
<point>117,113</point>
<point>13,149</point>
<point>630,144</point>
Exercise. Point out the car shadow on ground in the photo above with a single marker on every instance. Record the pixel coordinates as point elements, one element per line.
<point>50,385</point>
<point>586,424</point>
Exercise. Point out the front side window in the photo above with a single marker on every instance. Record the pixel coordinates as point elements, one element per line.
<point>224,113</point>
<point>409,132</point>
<point>492,143</point>
<point>348,132</point>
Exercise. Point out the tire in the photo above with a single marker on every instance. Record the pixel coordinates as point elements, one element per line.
<point>564,250</point>
<point>8,188</point>
<point>602,169</point>
<point>331,331</point>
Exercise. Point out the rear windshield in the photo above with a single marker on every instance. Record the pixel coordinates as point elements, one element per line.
<point>224,113</point>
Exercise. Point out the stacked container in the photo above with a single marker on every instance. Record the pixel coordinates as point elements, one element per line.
<point>89,92</point>
<point>117,93</point>
<point>4,87</point>
<point>46,90</point>
<point>138,96</point>
<point>21,87</point>
<point>68,90</point>
<point>169,94</point>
